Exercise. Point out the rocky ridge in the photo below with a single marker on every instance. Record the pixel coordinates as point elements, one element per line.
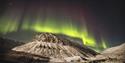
<point>51,48</point>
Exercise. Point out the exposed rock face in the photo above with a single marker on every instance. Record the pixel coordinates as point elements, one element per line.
<point>57,49</point>
<point>51,48</point>
<point>111,55</point>
<point>21,57</point>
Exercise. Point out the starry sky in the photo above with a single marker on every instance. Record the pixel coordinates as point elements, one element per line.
<point>102,17</point>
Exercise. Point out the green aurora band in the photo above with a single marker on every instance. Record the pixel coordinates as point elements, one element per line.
<point>66,27</point>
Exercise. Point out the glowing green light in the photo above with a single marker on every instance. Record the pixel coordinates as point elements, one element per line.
<point>67,29</point>
<point>53,26</point>
<point>103,43</point>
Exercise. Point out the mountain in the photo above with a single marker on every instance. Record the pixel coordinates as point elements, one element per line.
<point>7,44</point>
<point>56,48</point>
<point>110,55</point>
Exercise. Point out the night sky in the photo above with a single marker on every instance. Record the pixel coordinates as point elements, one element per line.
<point>102,17</point>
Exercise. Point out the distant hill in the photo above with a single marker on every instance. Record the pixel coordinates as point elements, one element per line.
<point>8,44</point>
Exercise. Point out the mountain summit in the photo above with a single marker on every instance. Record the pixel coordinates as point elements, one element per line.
<point>58,49</point>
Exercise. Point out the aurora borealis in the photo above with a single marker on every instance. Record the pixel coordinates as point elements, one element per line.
<point>63,17</point>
